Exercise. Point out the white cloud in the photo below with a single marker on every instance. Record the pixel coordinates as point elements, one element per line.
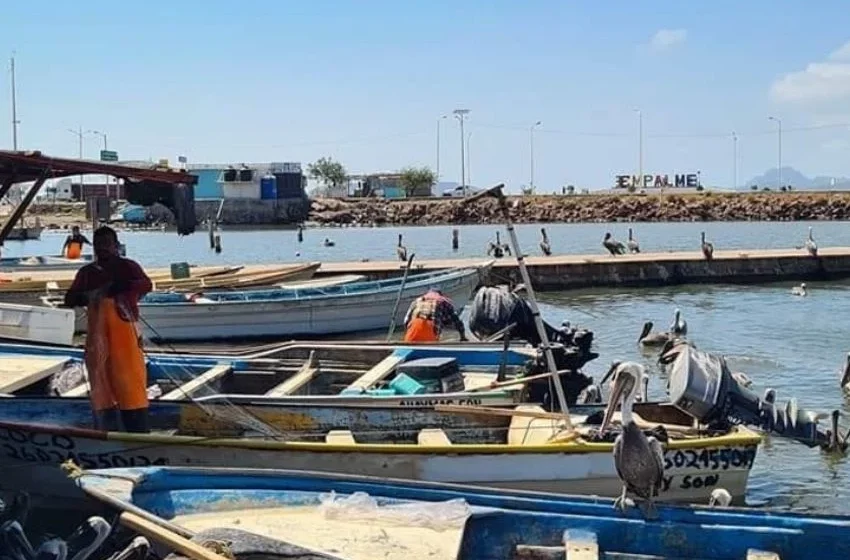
<point>819,83</point>
<point>667,38</point>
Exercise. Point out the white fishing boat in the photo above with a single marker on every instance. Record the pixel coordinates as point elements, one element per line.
<point>354,307</point>
<point>30,323</point>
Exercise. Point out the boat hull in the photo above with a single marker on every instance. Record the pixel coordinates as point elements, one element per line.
<point>294,317</point>
<point>30,454</point>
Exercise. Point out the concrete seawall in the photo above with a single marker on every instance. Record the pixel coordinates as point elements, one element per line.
<point>645,269</point>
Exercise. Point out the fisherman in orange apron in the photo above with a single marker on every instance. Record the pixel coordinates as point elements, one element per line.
<point>428,315</point>
<point>111,288</point>
<point>73,247</point>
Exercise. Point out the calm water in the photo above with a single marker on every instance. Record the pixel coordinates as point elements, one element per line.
<point>795,345</point>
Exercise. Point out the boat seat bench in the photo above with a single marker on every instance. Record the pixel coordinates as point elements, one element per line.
<point>340,437</point>
<point>307,373</point>
<point>433,437</point>
<point>215,373</point>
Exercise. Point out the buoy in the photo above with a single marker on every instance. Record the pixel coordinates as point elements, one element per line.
<point>455,239</point>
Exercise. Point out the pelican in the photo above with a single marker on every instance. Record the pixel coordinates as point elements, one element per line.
<point>592,394</point>
<point>845,375</point>
<point>52,549</point>
<point>497,249</point>
<point>632,243</point>
<point>811,246</point>
<point>16,544</point>
<point>799,290</point>
<point>614,247</point>
<point>643,394</point>
<point>328,243</point>
<point>88,537</point>
<point>639,459</point>
<point>649,338</point>
<point>678,326</point>
<point>769,395</point>
<point>401,250</point>
<point>742,378</point>
<point>544,243</point>
<point>707,248</point>
<point>136,550</point>
<point>720,497</point>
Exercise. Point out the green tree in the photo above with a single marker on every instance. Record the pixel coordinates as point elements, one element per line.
<point>754,188</point>
<point>571,189</point>
<point>331,173</point>
<point>417,180</point>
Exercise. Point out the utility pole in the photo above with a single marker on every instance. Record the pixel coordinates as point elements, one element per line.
<point>15,121</point>
<point>779,123</point>
<point>460,114</point>
<point>734,161</point>
<point>531,145</point>
<point>105,148</point>
<point>468,159</point>
<point>79,134</point>
<point>438,149</point>
<point>640,149</point>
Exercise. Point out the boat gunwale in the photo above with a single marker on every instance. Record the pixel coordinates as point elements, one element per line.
<point>291,296</point>
<point>740,437</point>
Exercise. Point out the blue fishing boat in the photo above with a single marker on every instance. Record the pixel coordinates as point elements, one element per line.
<point>425,519</point>
<point>343,308</point>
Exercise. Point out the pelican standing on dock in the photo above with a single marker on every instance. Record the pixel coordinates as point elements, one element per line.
<point>401,250</point>
<point>544,243</point>
<point>707,248</point>
<point>639,459</point>
<point>632,243</point>
<point>811,246</point>
<point>614,247</point>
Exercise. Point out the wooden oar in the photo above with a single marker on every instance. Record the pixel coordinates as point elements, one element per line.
<point>398,297</point>
<point>169,538</point>
<point>517,381</point>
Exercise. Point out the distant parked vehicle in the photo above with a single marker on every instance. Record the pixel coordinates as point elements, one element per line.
<point>459,191</point>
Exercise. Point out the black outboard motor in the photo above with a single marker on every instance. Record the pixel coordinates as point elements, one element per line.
<point>494,309</point>
<point>702,386</point>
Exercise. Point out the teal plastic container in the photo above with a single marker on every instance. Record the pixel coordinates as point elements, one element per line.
<point>406,385</point>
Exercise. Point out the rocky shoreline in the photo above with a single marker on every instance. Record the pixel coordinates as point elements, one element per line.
<point>698,207</point>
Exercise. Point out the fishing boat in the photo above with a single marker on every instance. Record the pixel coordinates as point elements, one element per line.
<point>354,307</point>
<point>522,448</point>
<point>37,324</point>
<point>46,263</point>
<point>25,233</point>
<point>310,373</point>
<point>317,510</point>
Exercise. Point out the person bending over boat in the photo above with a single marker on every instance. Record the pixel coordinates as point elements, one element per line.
<point>428,315</point>
<point>110,288</point>
<point>73,247</point>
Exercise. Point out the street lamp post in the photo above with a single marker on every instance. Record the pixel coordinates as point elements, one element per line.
<point>460,114</point>
<point>468,159</point>
<point>734,161</point>
<point>531,145</point>
<point>79,134</point>
<point>15,121</point>
<point>779,123</point>
<point>640,148</point>
<point>105,148</point>
<point>438,148</point>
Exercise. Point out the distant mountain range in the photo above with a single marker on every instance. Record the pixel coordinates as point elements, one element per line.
<point>791,176</point>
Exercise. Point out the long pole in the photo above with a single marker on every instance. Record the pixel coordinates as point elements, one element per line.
<point>779,124</point>
<point>459,115</point>
<point>468,160</point>
<point>438,148</point>
<point>532,299</point>
<point>734,161</point>
<point>15,120</point>
<point>640,148</point>
<point>531,152</point>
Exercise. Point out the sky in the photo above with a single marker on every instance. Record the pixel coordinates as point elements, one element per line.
<point>366,82</point>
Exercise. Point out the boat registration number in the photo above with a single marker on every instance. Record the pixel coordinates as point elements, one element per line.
<point>710,459</point>
<point>439,401</point>
<point>34,447</point>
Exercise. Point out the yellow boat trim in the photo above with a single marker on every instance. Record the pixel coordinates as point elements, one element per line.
<point>741,437</point>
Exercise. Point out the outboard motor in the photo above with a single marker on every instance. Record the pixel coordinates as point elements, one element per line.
<point>701,385</point>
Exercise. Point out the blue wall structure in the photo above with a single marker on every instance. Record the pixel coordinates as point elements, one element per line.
<point>208,185</point>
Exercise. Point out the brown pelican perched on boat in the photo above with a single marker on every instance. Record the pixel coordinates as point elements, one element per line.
<point>632,243</point>
<point>678,327</point>
<point>592,394</point>
<point>401,250</point>
<point>614,247</point>
<point>706,247</point>
<point>544,243</point>
<point>639,459</point>
<point>811,246</point>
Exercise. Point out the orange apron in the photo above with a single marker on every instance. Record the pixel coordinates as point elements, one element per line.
<point>73,250</point>
<point>421,330</point>
<point>114,359</point>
